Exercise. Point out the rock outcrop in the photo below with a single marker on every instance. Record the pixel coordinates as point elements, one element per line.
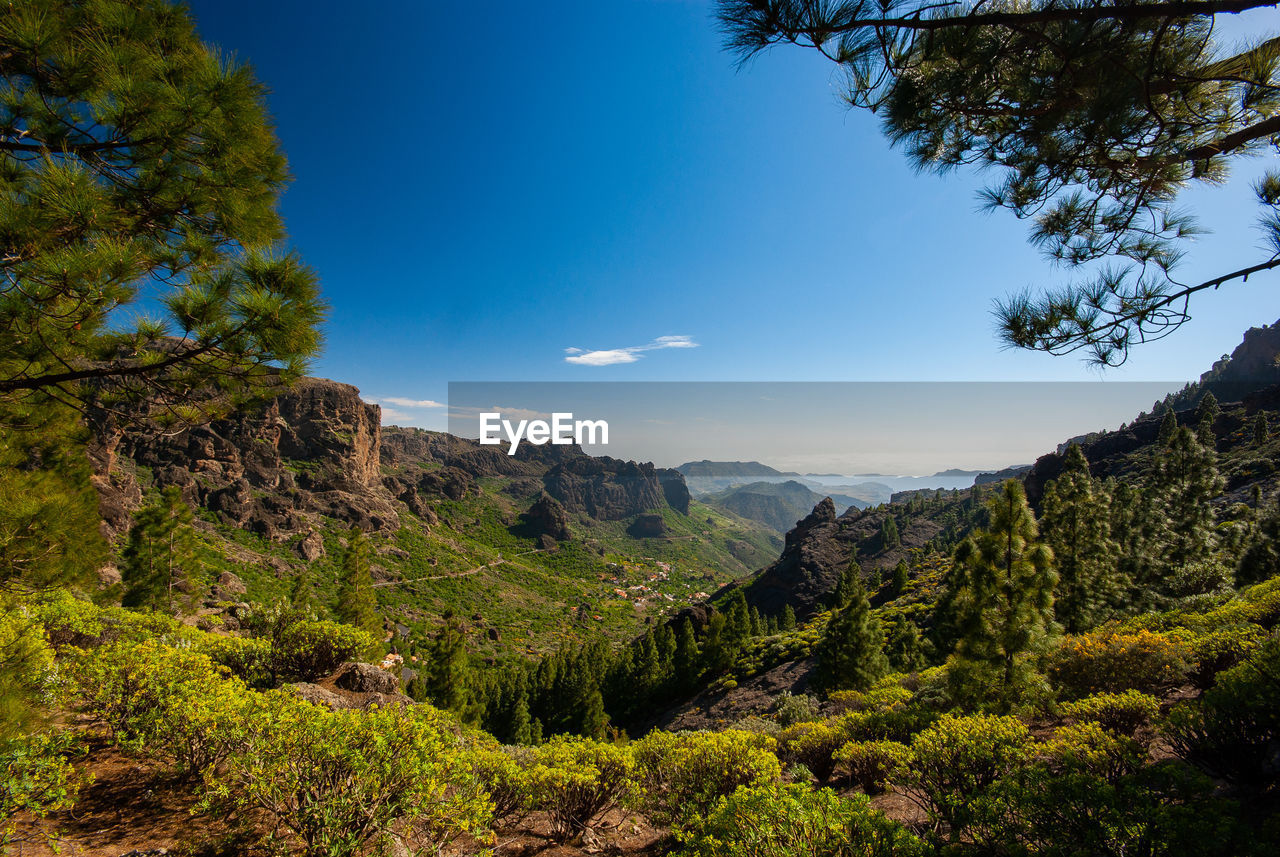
<point>548,518</point>
<point>365,678</point>
<point>312,450</point>
<point>606,489</point>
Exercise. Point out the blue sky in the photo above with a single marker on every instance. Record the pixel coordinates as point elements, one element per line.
<point>483,186</point>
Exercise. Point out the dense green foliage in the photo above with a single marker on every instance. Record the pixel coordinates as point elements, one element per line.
<point>134,159</point>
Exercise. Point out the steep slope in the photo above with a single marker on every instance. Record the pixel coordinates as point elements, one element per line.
<point>537,545</point>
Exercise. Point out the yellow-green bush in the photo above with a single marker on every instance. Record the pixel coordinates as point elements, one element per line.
<point>26,671</point>
<point>1220,649</point>
<point>871,764</point>
<point>1109,661</point>
<point>1123,713</point>
<point>344,781</point>
<point>955,763</point>
<point>36,779</point>
<point>813,745</point>
<point>309,650</point>
<point>501,772</point>
<point>73,622</point>
<point>1089,747</point>
<point>249,659</point>
<point>888,693</point>
<point>174,704</point>
<point>682,775</point>
<point>576,779</point>
<point>796,821</point>
<point>1233,730</point>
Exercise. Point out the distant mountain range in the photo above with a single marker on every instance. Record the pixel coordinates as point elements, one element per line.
<point>705,478</point>
<point>778,505</point>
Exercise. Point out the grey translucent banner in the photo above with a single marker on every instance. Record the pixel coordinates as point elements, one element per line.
<point>817,429</point>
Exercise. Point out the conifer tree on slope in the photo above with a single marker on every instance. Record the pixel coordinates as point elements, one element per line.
<point>851,653</point>
<point>1184,481</point>
<point>160,559</point>
<point>1003,582</point>
<point>357,604</point>
<point>1076,524</point>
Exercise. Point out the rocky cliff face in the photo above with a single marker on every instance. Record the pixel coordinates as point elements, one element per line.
<point>312,450</point>
<point>608,489</point>
<point>318,449</point>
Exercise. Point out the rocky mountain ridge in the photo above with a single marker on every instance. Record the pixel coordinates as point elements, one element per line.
<point>318,449</point>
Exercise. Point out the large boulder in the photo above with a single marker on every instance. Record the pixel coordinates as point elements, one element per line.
<point>365,678</point>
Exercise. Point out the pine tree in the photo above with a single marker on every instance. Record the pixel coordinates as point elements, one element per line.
<point>1168,426</point>
<point>849,583</point>
<point>715,654</point>
<point>520,729</point>
<point>1092,117</point>
<point>1261,559</point>
<point>889,538</point>
<point>300,591</point>
<point>140,165</point>
<point>901,577</point>
<point>903,646</point>
<point>1184,482</point>
<point>737,620</point>
<point>788,620</point>
<point>851,652</point>
<point>446,670</point>
<point>1206,415</point>
<point>687,660</point>
<point>160,563</point>
<point>1076,525</point>
<point>49,519</point>
<point>1004,583</point>
<point>357,604</point>
<point>1260,431</point>
<point>593,720</point>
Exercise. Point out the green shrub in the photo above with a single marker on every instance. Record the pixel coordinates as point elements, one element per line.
<point>1220,649</point>
<point>500,771</point>
<point>1108,661</point>
<point>1093,749</point>
<point>72,622</point>
<point>309,650</point>
<point>1124,713</point>
<point>1162,810</point>
<point>681,776</point>
<point>36,779</point>
<point>174,704</point>
<point>796,821</point>
<point>343,781</point>
<point>576,779</point>
<point>956,762</point>
<point>131,687</point>
<point>871,764</point>
<point>792,709</point>
<point>26,672</point>
<point>1233,730</point>
<point>886,694</point>
<point>813,745</point>
<point>247,658</point>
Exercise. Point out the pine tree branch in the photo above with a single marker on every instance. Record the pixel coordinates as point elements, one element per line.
<point>732,13</point>
<point>1266,128</point>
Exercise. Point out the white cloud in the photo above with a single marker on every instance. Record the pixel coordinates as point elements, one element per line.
<point>613,356</point>
<point>390,416</point>
<point>402,402</point>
